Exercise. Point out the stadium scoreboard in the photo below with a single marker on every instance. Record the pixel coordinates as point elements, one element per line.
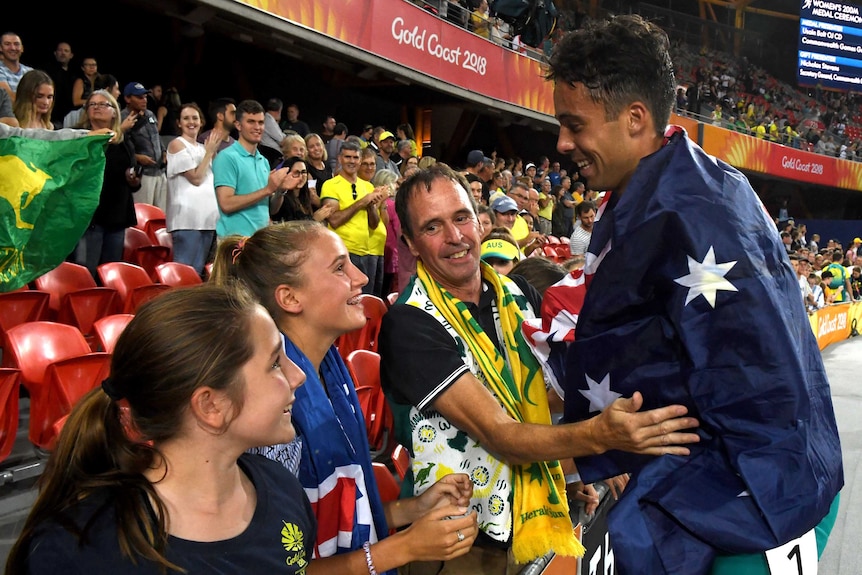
<point>830,45</point>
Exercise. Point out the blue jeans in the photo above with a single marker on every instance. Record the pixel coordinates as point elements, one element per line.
<point>372,267</point>
<point>192,247</point>
<point>100,245</point>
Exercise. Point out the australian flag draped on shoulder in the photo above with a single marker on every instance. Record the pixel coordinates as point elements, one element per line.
<point>49,189</point>
<point>689,298</point>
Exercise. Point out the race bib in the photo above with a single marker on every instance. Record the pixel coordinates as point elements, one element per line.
<point>797,557</point>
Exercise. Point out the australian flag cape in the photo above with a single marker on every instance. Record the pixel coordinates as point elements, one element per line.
<point>335,470</point>
<point>691,300</point>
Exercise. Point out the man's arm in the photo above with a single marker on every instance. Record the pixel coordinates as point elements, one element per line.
<point>7,116</point>
<point>229,202</point>
<point>8,90</point>
<point>377,208</point>
<point>339,217</point>
<point>472,408</point>
<point>271,129</point>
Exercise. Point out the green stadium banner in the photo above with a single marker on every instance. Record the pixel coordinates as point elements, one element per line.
<point>48,193</point>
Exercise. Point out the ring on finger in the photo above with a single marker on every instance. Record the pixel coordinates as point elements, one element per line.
<point>460,535</point>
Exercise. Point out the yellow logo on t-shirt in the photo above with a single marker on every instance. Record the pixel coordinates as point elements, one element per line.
<point>292,539</point>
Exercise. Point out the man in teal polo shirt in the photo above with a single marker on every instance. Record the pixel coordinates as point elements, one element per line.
<point>243,182</point>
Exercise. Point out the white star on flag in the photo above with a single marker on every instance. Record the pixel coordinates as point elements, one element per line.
<point>599,394</point>
<point>706,278</point>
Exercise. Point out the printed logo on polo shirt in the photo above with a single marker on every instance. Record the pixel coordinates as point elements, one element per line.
<point>292,540</point>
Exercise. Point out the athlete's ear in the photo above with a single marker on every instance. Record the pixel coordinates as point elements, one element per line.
<point>638,117</point>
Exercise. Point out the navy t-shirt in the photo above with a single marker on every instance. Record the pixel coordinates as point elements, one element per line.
<point>279,539</point>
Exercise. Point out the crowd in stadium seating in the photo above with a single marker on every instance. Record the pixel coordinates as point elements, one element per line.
<point>717,88</point>
<point>828,274</point>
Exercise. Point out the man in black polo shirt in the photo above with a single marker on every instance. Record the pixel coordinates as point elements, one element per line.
<point>467,394</point>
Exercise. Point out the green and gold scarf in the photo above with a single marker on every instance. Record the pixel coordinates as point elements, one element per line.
<point>540,517</point>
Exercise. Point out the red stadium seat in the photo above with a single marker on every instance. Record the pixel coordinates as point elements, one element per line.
<point>164,238</point>
<point>563,251</point>
<point>366,336</point>
<point>57,428</point>
<point>392,298</point>
<point>401,460</point>
<point>10,383</point>
<point>109,328</point>
<point>364,368</point>
<point>17,307</point>
<point>140,250</point>
<point>75,297</point>
<point>150,219</point>
<point>176,274</point>
<point>132,283</point>
<point>57,368</point>
<point>386,484</point>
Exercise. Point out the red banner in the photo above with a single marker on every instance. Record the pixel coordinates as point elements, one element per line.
<point>749,153</point>
<point>412,37</point>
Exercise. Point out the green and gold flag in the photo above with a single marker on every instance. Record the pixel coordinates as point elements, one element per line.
<point>48,193</point>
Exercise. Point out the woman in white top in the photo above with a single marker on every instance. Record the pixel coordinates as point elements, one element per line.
<point>192,210</point>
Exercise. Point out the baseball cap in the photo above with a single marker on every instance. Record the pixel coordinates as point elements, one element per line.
<point>504,204</point>
<point>476,156</point>
<point>386,136</point>
<point>857,240</point>
<point>528,166</point>
<point>134,89</point>
<point>497,248</point>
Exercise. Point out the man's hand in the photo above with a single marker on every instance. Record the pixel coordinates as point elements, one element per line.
<point>323,212</point>
<point>454,489</point>
<point>579,491</point>
<point>276,179</point>
<point>145,160</point>
<point>375,198</point>
<point>617,484</point>
<point>654,432</point>
<point>130,121</point>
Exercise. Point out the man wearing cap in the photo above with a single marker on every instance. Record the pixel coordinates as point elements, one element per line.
<point>475,170</point>
<point>505,211</point>
<point>385,161</point>
<point>530,171</point>
<point>526,237</point>
<point>149,151</point>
